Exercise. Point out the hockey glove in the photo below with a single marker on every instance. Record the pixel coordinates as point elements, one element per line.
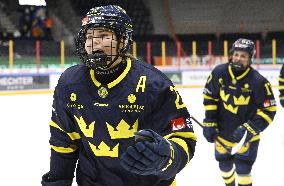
<point>240,131</point>
<point>47,180</point>
<point>210,131</point>
<point>149,155</point>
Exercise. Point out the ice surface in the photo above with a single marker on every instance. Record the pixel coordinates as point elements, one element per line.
<point>25,149</point>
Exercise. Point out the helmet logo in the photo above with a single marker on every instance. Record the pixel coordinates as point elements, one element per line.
<point>85,21</point>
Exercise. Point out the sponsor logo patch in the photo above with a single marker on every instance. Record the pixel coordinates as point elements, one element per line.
<point>268,103</point>
<point>178,123</point>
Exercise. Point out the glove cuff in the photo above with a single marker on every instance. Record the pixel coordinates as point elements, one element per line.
<point>250,128</point>
<point>210,124</point>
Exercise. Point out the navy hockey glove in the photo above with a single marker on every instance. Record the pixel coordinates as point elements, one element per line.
<point>47,180</point>
<point>240,131</point>
<point>210,131</point>
<point>149,155</point>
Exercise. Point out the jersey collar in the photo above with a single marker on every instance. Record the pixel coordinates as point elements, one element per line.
<point>240,76</point>
<point>117,80</point>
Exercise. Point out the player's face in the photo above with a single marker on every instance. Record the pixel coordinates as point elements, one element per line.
<point>102,41</point>
<point>241,57</point>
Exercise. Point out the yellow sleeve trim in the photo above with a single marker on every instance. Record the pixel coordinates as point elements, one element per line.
<point>64,150</point>
<point>272,109</point>
<point>189,135</point>
<point>210,107</point>
<point>281,97</point>
<point>281,87</point>
<point>281,79</point>
<point>264,116</point>
<point>209,97</point>
<point>72,135</point>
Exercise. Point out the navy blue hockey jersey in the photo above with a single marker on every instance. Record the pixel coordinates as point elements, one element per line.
<point>95,123</point>
<point>281,84</point>
<point>231,100</point>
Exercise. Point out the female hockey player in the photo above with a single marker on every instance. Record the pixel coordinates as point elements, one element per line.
<point>238,101</point>
<point>121,120</point>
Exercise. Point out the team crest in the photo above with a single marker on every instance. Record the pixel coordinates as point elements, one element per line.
<point>102,92</point>
<point>73,97</point>
<point>131,98</point>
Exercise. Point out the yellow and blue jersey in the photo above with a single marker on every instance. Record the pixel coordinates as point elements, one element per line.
<point>96,122</point>
<point>231,101</point>
<point>281,84</point>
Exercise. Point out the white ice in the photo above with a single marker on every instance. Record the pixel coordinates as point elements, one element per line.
<point>24,155</point>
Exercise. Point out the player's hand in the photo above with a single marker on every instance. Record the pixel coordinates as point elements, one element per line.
<point>149,155</point>
<point>47,180</point>
<point>210,133</point>
<point>240,131</point>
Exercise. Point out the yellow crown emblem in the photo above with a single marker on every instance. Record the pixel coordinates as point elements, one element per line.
<point>224,96</point>
<point>241,100</point>
<point>122,130</point>
<point>104,150</point>
<point>231,108</point>
<point>87,131</point>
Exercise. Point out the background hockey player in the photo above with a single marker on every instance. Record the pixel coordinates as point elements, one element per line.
<point>103,104</point>
<point>237,99</point>
<point>281,86</point>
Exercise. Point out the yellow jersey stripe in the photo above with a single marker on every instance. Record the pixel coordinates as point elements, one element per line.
<point>72,135</point>
<point>64,149</point>
<point>264,116</point>
<point>210,98</point>
<point>281,79</point>
<point>210,107</point>
<point>189,135</point>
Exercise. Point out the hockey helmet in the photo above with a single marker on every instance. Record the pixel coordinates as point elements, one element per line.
<point>110,17</point>
<point>244,45</point>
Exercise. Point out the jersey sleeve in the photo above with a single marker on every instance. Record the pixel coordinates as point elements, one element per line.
<point>266,107</point>
<point>64,140</point>
<point>171,119</point>
<point>281,83</point>
<point>211,99</point>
